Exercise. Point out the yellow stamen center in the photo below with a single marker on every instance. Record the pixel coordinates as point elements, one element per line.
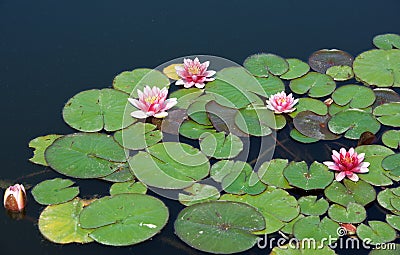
<point>281,100</point>
<point>194,70</point>
<point>151,100</point>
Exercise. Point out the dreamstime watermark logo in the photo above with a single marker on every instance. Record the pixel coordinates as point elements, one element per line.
<point>334,242</point>
<point>173,167</point>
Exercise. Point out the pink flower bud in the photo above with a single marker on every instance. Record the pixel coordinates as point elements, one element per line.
<point>15,198</point>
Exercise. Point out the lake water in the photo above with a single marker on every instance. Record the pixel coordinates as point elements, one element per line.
<point>51,50</point>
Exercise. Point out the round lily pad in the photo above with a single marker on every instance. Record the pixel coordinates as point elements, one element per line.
<point>125,219</point>
<point>313,227</point>
<point>262,64</point>
<point>197,110</point>
<point>297,136</point>
<point>315,84</point>
<point>391,139</point>
<point>377,232</point>
<point>393,220</point>
<point>271,173</point>
<point>55,191</point>
<point>317,176</point>
<point>94,110</point>
<point>350,192</point>
<point>310,104</point>
<point>219,227</point>
<point>85,155</point>
<point>227,167</point>
<point>198,193</point>
<point>304,249</point>
<point>130,81</point>
<point>40,144</point>
<point>321,60</point>
<point>353,123</point>
<point>314,126</point>
<point>297,68</point>
<point>170,165</point>
<point>392,163</point>
<point>256,121</point>
<point>170,71</point>
<point>122,174</point>
<point>220,145</point>
<point>244,182</point>
<point>356,96</point>
<point>276,205</point>
<point>390,200</point>
<point>59,223</point>
<point>270,85</point>
<point>138,136</point>
<point>340,73</point>
<point>309,205</point>
<point>185,97</point>
<point>352,213</point>
<point>193,130</point>
<point>387,41</point>
<point>378,67</point>
<point>228,94</point>
<point>384,96</point>
<point>288,228</point>
<point>388,114</point>
<point>128,187</point>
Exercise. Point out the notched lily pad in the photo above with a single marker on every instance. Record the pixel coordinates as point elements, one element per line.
<point>138,136</point>
<point>40,144</point>
<point>391,139</point>
<point>194,130</point>
<point>356,96</point>
<point>198,193</point>
<point>315,84</point>
<point>377,232</point>
<point>321,60</point>
<point>393,221</point>
<point>55,191</point>
<point>387,41</point>
<point>220,145</point>
<point>297,68</point>
<point>227,167</point>
<point>350,192</point>
<point>297,136</point>
<point>388,114</point>
<point>310,104</point>
<point>219,227</point>
<point>352,213</point>
<point>313,227</point>
<point>128,187</point>
<point>340,73</point>
<point>302,250</point>
<point>170,71</point>
<point>390,200</point>
<point>271,173</point>
<point>262,64</point>
<point>185,97</point>
<point>309,205</point>
<point>392,163</point>
<point>314,126</point>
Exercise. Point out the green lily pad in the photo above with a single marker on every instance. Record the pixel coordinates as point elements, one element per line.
<point>309,205</point>
<point>297,136</point>
<point>198,193</point>
<point>310,104</point>
<point>388,114</point>
<point>390,199</point>
<point>40,144</point>
<point>197,110</point>
<point>223,118</point>
<point>384,96</point>
<point>94,110</point>
<point>353,123</point>
<point>391,139</point>
<point>128,187</point>
<point>122,174</point>
<point>340,73</point>
<point>262,64</point>
<point>219,227</point>
<point>170,165</point>
<point>55,191</point>
<point>244,182</point>
<point>314,126</point>
<point>258,121</point>
<point>276,205</point>
<point>59,223</point>
<point>352,213</point>
<point>130,81</point>
<point>138,136</point>
<point>302,250</point>
<point>315,84</point>
<point>317,176</point>
<point>313,227</point>
<point>377,232</point>
<point>350,192</point>
<point>393,220</point>
<point>321,60</point>
<point>227,167</point>
<point>297,68</point>
<point>193,130</point>
<point>392,163</point>
<point>220,145</point>
<point>288,228</point>
<point>374,154</point>
<point>387,41</point>
<point>228,94</point>
<point>125,219</point>
<point>270,85</point>
<point>356,96</point>
<point>85,155</point>
<point>185,97</point>
<point>271,173</point>
<point>378,67</point>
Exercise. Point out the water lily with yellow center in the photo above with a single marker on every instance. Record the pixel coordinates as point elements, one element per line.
<point>194,73</point>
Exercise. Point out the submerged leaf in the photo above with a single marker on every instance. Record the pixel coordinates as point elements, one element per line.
<point>314,126</point>
<point>321,60</point>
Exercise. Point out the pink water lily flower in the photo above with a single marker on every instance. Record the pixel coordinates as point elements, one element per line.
<point>15,198</point>
<point>152,102</point>
<point>194,73</point>
<point>348,164</point>
<point>282,103</point>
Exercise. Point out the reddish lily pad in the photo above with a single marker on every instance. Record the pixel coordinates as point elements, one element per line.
<point>314,126</point>
<point>321,60</point>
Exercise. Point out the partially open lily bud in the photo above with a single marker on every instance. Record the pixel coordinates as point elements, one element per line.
<point>15,198</point>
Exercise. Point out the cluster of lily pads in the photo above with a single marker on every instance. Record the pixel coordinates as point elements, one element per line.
<point>229,202</point>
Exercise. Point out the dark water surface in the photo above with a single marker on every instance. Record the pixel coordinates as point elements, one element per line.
<point>51,50</point>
